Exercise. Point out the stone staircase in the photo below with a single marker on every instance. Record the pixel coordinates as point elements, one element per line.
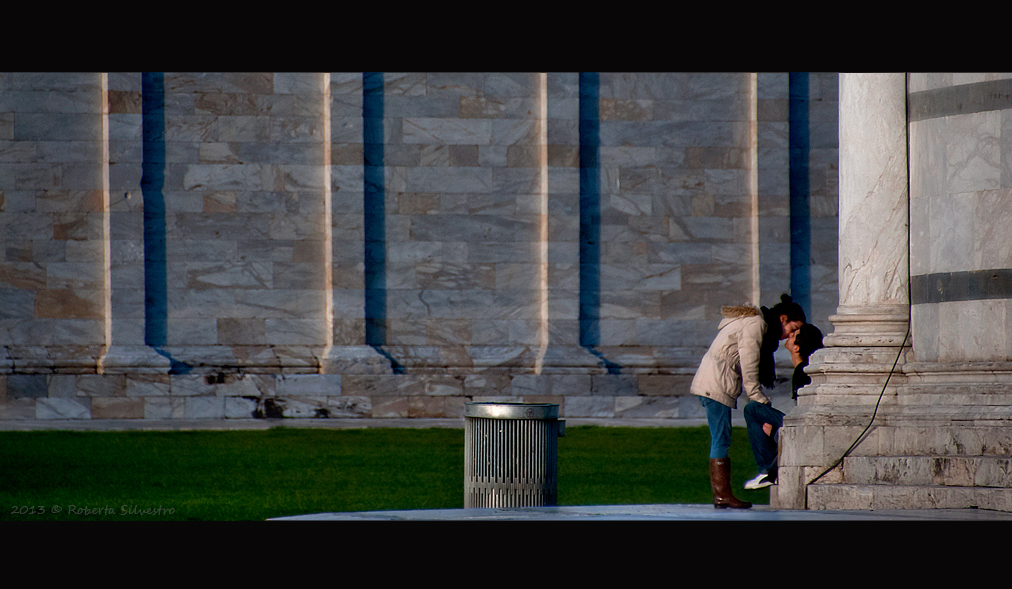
<point>952,481</point>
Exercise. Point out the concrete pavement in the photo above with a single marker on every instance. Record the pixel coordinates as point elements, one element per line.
<point>657,513</point>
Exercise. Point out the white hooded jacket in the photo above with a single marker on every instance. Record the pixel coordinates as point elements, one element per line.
<point>732,362</point>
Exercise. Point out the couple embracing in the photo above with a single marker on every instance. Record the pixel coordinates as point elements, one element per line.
<point>741,358</point>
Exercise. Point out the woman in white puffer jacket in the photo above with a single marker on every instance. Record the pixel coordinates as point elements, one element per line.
<point>740,358</point>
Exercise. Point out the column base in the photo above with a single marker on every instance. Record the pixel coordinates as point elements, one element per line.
<point>941,438</point>
<point>855,376</point>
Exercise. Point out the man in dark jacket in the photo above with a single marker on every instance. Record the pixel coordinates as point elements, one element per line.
<point>801,344</point>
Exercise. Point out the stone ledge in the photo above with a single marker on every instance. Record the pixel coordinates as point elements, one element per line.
<point>182,424</point>
<point>968,371</point>
<point>848,496</point>
<point>896,415</point>
<point>950,471</point>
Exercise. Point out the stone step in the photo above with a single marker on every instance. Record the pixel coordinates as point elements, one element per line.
<point>952,471</point>
<point>852,496</point>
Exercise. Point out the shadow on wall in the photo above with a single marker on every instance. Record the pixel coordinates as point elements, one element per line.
<point>590,218</point>
<point>152,183</point>
<point>374,221</point>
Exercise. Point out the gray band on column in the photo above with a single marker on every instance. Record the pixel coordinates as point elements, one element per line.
<point>974,285</point>
<point>960,100</point>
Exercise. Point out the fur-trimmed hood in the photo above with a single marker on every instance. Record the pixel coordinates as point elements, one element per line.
<point>732,312</point>
<point>735,311</point>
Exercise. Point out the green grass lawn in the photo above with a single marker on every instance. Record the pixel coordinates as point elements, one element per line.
<point>255,475</point>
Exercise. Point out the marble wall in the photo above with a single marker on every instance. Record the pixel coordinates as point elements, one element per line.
<point>209,245</point>
<point>53,212</point>
<point>960,207</point>
<point>824,196</point>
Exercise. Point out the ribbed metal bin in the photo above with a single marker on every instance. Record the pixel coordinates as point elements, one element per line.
<point>511,454</point>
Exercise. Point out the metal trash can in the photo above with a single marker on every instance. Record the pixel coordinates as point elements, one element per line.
<point>511,454</point>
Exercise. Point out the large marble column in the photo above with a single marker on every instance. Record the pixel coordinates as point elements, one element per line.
<point>873,270</point>
<point>870,326</point>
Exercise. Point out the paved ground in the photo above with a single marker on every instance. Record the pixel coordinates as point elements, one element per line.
<point>658,513</point>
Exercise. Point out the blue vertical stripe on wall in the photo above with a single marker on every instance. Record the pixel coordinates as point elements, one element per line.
<point>800,148</point>
<point>374,220</point>
<point>152,183</point>
<point>590,217</point>
<point>590,209</point>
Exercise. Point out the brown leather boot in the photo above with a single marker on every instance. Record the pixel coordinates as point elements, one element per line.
<point>720,481</point>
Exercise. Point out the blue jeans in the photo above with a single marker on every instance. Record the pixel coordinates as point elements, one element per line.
<point>764,448</point>
<point>718,416</point>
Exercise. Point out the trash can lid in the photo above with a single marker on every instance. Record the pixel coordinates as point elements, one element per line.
<point>512,410</point>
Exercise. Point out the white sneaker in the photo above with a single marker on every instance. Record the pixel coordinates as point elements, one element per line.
<point>761,480</point>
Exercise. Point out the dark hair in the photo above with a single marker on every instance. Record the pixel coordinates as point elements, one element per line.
<point>788,307</point>
<point>771,341</point>
<point>809,339</point>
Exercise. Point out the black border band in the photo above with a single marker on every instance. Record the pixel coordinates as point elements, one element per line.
<point>974,285</point>
<point>959,100</point>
